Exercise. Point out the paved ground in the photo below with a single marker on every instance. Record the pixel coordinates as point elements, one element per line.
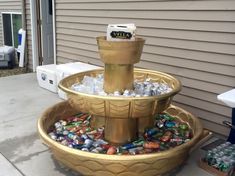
<point>21,152</point>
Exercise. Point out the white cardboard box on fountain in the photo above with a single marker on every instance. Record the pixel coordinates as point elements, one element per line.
<point>121,32</point>
<point>46,76</point>
<point>65,70</point>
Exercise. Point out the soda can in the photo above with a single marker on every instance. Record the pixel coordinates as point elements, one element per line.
<point>111,150</point>
<point>150,132</point>
<point>169,124</point>
<point>97,150</point>
<point>85,149</point>
<point>151,145</point>
<point>72,135</point>
<point>65,132</point>
<point>105,146</point>
<point>208,156</point>
<point>64,142</point>
<point>135,150</point>
<point>52,135</point>
<point>183,126</point>
<point>57,125</point>
<point>63,122</point>
<point>168,117</point>
<point>128,146</point>
<point>88,143</point>
<point>60,138</point>
<point>166,137</point>
<point>92,132</point>
<point>160,124</point>
<point>225,166</point>
<point>84,137</point>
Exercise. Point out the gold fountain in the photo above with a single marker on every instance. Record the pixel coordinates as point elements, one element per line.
<point>123,117</point>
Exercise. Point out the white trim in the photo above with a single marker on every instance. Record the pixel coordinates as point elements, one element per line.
<point>54,30</point>
<point>33,16</point>
<point>18,13</point>
<point>35,46</point>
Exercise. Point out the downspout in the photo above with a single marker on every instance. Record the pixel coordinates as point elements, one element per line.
<point>34,32</point>
<point>24,27</point>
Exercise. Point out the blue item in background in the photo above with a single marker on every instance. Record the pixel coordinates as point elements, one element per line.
<point>20,36</point>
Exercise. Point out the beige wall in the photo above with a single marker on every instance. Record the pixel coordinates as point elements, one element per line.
<point>8,6</point>
<point>192,40</point>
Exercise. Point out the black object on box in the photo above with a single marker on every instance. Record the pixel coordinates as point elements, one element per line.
<point>231,137</point>
<point>7,57</point>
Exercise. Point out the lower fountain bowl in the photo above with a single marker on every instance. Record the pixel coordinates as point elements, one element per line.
<point>87,163</point>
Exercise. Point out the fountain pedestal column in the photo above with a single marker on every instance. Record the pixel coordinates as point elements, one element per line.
<point>119,59</point>
<point>118,77</point>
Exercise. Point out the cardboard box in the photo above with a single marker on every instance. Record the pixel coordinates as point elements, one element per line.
<point>213,170</point>
<point>121,32</point>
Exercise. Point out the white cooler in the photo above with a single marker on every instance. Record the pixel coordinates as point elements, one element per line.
<point>65,70</point>
<point>46,76</point>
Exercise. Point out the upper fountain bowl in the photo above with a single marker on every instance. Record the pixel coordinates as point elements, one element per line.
<point>121,107</point>
<point>121,52</point>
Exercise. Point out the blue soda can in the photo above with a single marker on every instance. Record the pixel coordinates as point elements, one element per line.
<point>169,124</point>
<point>133,144</point>
<point>128,146</point>
<point>150,132</point>
<point>71,135</point>
<point>77,146</point>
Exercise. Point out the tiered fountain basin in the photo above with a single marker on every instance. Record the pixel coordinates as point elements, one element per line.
<point>87,163</point>
<point>120,106</point>
<point>123,117</point>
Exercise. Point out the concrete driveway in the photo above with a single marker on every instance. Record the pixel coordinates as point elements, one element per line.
<point>22,101</point>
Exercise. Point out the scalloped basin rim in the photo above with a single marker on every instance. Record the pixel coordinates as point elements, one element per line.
<point>159,97</point>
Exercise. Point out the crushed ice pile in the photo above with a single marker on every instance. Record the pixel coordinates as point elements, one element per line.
<point>94,85</point>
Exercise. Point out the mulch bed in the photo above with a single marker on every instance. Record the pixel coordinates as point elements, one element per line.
<point>15,71</point>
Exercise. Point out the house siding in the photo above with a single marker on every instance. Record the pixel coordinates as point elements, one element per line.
<point>192,40</point>
<point>8,6</point>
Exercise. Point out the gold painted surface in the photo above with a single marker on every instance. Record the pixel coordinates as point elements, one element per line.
<point>121,131</point>
<point>118,77</point>
<point>121,52</point>
<point>137,165</point>
<point>122,113</point>
<point>121,107</point>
